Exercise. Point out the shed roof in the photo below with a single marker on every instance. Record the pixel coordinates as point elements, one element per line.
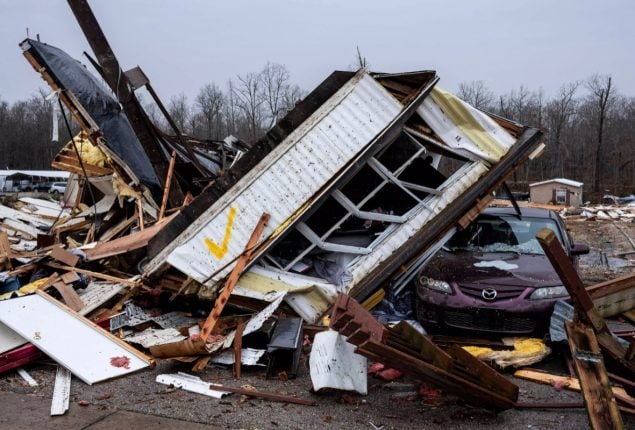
<point>43,173</point>
<point>559,181</point>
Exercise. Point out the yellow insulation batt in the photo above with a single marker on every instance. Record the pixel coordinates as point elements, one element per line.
<point>526,351</point>
<point>89,153</point>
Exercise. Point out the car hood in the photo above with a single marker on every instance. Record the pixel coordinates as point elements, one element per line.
<point>531,270</point>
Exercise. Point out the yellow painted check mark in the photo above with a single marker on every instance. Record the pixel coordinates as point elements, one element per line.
<point>220,251</point>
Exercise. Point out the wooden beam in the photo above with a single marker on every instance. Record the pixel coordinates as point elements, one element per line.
<point>94,274</point>
<point>168,182</point>
<point>594,382</point>
<point>566,382</point>
<point>210,322</point>
<point>5,251</point>
<point>269,396</point>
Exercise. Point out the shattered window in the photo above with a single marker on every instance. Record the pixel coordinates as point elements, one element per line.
<point>502,234</point>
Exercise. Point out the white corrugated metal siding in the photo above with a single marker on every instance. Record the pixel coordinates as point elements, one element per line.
<point>286,179</point>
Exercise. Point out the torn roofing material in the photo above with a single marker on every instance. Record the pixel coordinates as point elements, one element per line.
<point>69,74</point>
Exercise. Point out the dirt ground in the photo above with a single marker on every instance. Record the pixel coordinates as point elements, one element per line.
<point>389,405</point>
<point>605,239</point>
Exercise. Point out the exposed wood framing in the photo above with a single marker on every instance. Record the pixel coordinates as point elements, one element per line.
<point>594,382</point>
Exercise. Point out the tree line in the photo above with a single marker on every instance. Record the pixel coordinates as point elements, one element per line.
<point>247,106</point>
<point>588,125</point>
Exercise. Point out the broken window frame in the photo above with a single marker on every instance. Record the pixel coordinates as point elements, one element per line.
<point>423,147</point>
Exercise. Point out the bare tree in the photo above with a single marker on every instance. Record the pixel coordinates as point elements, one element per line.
<point>179,110</point>
<point>209,102</point>
<point>230,110</point>
<point>602,95</point>
<point>559,110</point>
<point>292,95</point>
<point>275,82</point>
<point>248,94</point>
<point>477,94</point>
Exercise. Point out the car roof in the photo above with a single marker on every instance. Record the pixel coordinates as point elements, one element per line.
<point>528,212</point>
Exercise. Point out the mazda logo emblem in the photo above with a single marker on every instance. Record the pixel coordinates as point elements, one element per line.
<point>489,293</point>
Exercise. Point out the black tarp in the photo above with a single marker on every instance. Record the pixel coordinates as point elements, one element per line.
<point>101,105</point>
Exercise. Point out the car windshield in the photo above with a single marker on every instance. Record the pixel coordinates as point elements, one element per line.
<point>491,233</point>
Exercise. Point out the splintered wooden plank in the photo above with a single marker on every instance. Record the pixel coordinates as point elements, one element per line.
<point>615,296</point>
<point>70,296</point>
<point>213,316</point>
<point>89,352</point>
<point>5,251</point>
<point>567,382</point>
<point>594,382</point>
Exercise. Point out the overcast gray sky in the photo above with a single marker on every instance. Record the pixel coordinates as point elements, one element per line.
<point>183,45</point>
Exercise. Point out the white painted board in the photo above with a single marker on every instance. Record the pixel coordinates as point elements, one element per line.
<point>70,339</point>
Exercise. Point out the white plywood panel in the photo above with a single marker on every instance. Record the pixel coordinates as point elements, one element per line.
<point>90,353</point>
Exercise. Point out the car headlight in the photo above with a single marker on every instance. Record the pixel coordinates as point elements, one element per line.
<point>548,293</point>
<point>435,285</point>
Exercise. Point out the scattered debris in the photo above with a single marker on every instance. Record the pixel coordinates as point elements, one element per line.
<point>453,370</point>
<point>228,253</point>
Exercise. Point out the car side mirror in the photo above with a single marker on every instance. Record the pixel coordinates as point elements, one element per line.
<point>579,249</point>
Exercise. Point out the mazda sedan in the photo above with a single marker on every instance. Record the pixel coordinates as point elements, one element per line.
<point>494,276</point>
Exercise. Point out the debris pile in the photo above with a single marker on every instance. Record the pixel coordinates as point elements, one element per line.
<point>171,248</point>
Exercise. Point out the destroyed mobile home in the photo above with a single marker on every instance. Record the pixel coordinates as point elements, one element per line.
<point>338,206</point>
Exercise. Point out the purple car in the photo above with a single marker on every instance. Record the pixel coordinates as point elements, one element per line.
<point>494,276</point>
